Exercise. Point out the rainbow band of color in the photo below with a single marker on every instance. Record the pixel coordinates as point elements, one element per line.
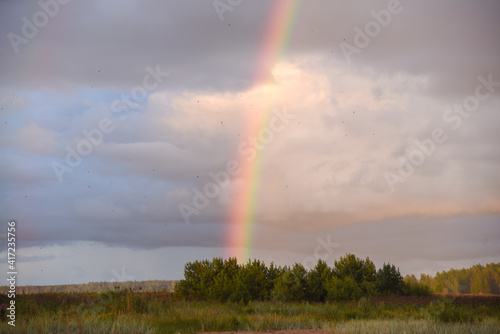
<point>242,212</point>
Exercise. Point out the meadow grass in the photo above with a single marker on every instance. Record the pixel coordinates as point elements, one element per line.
<point>139,312</point>
<point>397,326</point>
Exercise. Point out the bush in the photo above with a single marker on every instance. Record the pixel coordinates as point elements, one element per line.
<point>448,312</point>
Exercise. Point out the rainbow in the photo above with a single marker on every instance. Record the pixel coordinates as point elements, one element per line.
<point>277,34</point>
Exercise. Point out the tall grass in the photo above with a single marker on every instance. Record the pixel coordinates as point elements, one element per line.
<point>396,326</point>
<point>129,312</point>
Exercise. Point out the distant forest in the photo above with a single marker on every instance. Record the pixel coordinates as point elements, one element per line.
<point>155,285</point>
<point>475,280</point>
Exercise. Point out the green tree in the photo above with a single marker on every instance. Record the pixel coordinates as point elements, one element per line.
<point>494,277</point>
<point>317,280</point>
<point>411,287</point>
<point>272,274</point>
<point>240,292</point>
<point>411,279</point>
<point>251,282</point>
<point>190,285</point>
<point>291,284</point>
<point>426,280</point>
<point>208,279</point>
<point>480,282</point>
<point>223,274</point>
<point>362,271</point>
<point>345,288</point>
<point>389,280</point>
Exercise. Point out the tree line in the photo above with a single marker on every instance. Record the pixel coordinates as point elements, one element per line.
<point>318,284</point>
<point>477,279</point>
<point>349,279</point>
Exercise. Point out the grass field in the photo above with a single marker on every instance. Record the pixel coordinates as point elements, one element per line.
<point>160,312</point>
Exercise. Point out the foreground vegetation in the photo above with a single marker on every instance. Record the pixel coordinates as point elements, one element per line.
<point>161,312</point>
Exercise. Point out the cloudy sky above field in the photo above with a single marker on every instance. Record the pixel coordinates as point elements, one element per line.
<point>385,140</point>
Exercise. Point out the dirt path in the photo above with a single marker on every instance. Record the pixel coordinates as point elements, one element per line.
<point>289,331</point>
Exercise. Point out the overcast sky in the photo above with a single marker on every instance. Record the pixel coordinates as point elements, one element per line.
<point>383,140</point>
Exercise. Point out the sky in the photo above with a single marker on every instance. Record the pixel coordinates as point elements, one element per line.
<point>136,136</point>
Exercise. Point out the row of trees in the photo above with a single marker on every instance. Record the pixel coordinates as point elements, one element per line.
<point>476,280</point>
<point>349,278</point>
